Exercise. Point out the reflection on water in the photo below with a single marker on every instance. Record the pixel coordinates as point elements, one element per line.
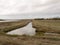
<point>27,30</point>
<point>9,20</point>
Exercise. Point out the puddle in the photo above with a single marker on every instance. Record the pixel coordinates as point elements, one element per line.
<point>27,30</point>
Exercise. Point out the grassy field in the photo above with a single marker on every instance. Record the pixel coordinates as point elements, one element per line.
<point>42,26</point>
<point>47,25</point>
<point>8,26</point>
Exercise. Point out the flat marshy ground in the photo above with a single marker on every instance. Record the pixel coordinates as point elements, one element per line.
<point>9,26</point>
<point>42,26</point>
<point>47,25</point>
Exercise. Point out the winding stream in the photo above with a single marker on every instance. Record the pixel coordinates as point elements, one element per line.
<point>27,30</point>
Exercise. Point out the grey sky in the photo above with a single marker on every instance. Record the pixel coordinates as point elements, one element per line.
<point>29,8</point>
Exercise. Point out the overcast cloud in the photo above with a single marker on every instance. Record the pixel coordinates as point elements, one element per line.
<point>29,8</point>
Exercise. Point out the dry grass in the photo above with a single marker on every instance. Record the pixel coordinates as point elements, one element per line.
<point>39,39</point>
<point>8,26</point>
<point>47,25</point>
<point>27,40</point>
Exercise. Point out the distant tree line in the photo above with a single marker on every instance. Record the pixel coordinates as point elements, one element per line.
<point>54,18</point>
<point>39,19</point>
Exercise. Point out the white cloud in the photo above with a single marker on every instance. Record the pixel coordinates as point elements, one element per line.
<point>27,6</point>
<point>14,6</point>
<point>8,7</point>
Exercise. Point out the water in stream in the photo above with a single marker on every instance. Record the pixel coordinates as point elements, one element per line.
<point>27,30</point>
